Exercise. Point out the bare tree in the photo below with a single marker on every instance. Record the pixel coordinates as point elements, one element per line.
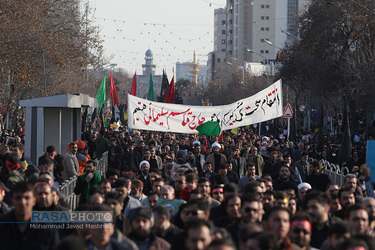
<point>45,49</point>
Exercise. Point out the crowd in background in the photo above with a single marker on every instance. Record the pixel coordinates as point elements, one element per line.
<point>241,190</point>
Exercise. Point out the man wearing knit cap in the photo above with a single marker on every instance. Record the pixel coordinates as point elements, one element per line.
<point>216,158</point>
<point>81,157</point>
<point>141,221</point>
<point>181,162</point>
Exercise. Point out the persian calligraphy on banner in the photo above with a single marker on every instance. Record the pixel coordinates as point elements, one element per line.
<point>263,106</point>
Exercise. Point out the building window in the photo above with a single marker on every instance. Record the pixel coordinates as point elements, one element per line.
<point>267,51</point>
<point>262,6</point>
<point>223,22</point>
<point>267,18</point>
<point>262,17</point>
<point>230,41</point>
<point>223,41</point>
<point>262,51</point>
<point>223,32</point>
<point>230,21</point>
<point>267,29</point>
<point>267,6</point>
<point>223,50</point>
<point>218,60</point>
<point>262,29</point>
<point>262,40</point>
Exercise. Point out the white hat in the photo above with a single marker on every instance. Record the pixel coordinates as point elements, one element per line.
<point>304,185</point>
<point>144,162</point>
<point>216,144</point>
<point>196,143</point>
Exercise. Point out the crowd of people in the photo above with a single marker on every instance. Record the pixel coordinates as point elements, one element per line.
<point>176,191</point>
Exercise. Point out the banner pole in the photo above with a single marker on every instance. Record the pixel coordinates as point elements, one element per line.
<point>259,125</point>
<point>288,128</point>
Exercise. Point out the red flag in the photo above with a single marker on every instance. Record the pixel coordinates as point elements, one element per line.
<point>113,92</point>
<point>171,94</point>
<point>134,86</point>
<point>221,136</point>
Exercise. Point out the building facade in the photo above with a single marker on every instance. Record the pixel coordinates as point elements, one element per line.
<point>254,30</point>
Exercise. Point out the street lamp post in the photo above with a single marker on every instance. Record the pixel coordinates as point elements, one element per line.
<point>289,34</point>
<point>270,43</point>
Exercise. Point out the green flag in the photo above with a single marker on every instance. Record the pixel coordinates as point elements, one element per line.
<point>151,89</point>
<point>101,93</point>
<point>209,128</point>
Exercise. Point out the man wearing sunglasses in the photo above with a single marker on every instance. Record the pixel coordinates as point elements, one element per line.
<point>198,208</point>
<point>250,207</point>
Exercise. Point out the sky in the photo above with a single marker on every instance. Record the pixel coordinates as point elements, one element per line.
<point>172,29</point>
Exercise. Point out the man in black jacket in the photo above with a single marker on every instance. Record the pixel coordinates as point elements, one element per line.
<point>115,154</point>
<point>132,159</point>
<point>44,198</point>
<point>285,180</point>
<point>316,179</point>
<point>141,221</point>
<point>21,235</point>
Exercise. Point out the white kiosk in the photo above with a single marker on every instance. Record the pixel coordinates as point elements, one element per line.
<point>53,120</point>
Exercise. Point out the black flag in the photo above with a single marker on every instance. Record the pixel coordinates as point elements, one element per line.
<point>113,117</point>
<point>94,118</point>
<point>84,118</point>
<point>164,87</point>
<point>121,108</point>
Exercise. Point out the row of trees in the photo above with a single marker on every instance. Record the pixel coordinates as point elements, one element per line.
<point>231,84</point>
<point>335,59</point>
<point>333,62</point>
<point>46,48</point>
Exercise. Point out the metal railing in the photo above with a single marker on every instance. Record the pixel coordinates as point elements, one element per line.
<point>67,188</point>
<point>335,173</point>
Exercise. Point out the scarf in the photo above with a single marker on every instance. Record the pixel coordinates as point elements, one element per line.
<point>94,182</point>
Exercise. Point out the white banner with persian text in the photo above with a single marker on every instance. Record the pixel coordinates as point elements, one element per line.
<point>156,116</point>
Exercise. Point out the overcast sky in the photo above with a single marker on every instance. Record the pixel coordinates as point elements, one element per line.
<point>172,29</point>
